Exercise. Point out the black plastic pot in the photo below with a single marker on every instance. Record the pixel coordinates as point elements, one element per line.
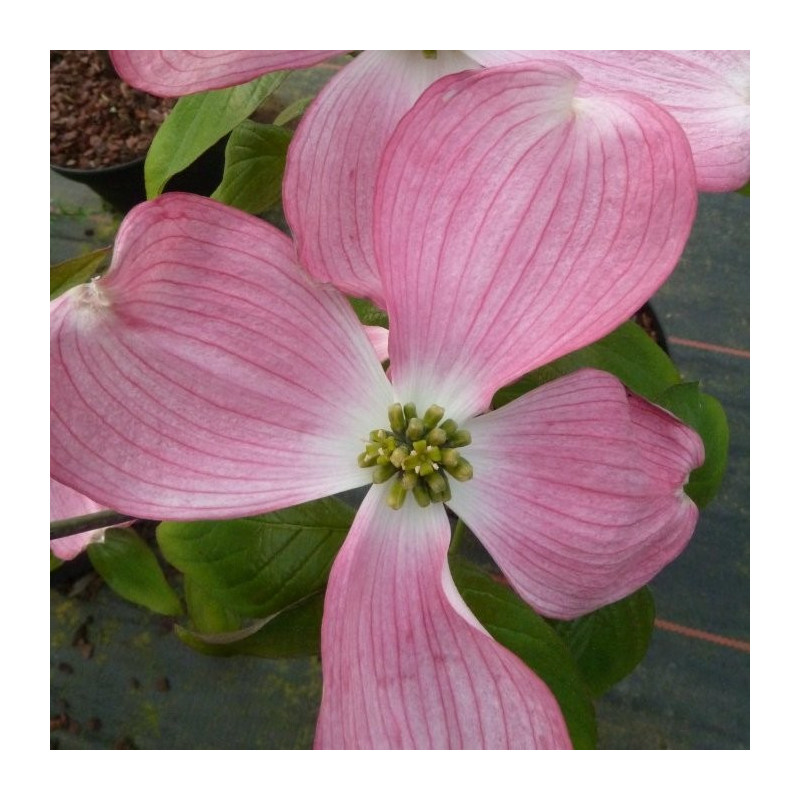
<point>122,185</point>
<point>647,319</point>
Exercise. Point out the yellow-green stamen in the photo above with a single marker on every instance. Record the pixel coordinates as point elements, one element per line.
<point>417,454</point>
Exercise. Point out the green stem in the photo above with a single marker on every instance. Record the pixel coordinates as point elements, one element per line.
<point>458,535</point>
<point>89,522</point>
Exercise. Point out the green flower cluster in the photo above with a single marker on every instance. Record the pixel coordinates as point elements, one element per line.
<point>419,453</point>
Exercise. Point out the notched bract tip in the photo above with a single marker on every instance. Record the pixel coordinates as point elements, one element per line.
<point>93,295</point>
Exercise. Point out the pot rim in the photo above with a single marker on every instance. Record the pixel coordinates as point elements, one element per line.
<point>111,170</point>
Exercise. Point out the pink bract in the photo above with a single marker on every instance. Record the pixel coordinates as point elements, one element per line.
<point>172,73</point>
<point>65,503</point>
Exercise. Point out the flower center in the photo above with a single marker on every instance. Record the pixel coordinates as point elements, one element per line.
<point>419,453</point>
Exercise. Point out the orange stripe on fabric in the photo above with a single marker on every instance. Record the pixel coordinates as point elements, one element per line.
<point>714,348</point>
<point>693,633</point>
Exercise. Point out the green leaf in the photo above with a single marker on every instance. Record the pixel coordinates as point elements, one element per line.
<point>293,633</point>
<point>628,352</point>
<point>260,565</point>
<point>293,110</point>
<point>610,642</point>
<point>55,562</point>
<point>255,157</point>
<point>197,122</point>
<point>206,611</point>
<point>705,414</point>
<point>745,190</point>
<point>77,270</point>
<point>519,628</point>
<point>369,314</point>
<point>131,569</point>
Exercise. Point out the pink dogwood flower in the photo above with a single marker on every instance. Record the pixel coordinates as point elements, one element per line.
<point>333,166</point>
<point>519,214</point>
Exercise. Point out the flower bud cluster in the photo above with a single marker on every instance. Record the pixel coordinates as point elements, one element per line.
<point>418,453</point>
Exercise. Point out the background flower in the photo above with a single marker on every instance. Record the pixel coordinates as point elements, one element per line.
<point>333,160</point>
<point>707,91</point>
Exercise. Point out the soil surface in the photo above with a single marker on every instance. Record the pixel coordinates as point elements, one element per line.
<point>96,119</point>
